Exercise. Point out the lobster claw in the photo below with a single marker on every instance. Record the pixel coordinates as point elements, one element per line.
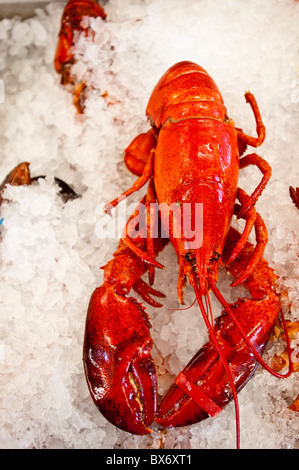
<point>203,389</point>
<point>177,407</point>
<point>118,366</point>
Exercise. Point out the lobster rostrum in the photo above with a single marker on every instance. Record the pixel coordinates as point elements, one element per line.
<point>191,155</point>
<point>71,23</point>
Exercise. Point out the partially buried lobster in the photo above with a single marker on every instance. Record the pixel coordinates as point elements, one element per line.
<point>71,24</point>
<point>191,155</point>
<point>20,175</point>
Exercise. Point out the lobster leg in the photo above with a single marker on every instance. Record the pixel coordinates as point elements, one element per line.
<point>119,370</point>
<point>252,219</point>
<point>253,159</point>
<point>71,22</point>
<point>151,222</point>
<point>146,255</point>
<point>294,193</point>
<point>139,158</point>
<point>145,291</point>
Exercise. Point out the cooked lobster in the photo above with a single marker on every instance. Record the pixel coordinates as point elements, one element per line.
<point>72,23</point>
<point>189,158</point>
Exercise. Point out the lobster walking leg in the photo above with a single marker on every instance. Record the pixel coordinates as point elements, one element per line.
<point>20,175</point>
<point>151,226</point>
<point>206,369</point>
<point>253,159</point>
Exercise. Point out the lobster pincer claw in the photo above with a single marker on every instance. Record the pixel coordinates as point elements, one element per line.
<point>118,366</point>
<point>178,408</point>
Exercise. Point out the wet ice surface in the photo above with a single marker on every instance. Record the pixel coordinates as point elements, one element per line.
<point>51,252</point>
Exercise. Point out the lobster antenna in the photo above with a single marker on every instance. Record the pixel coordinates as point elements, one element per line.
<point>192,280</point>
<point>184,308</point>
<point>257,356</point>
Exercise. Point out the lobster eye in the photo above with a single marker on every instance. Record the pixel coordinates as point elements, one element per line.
<point>216,256</point>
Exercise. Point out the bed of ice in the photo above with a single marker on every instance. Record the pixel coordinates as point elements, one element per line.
<point>51,252</point>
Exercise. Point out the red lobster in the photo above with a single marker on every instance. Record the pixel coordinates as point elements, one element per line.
<point>191,155</point>
<point>73,14</point>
